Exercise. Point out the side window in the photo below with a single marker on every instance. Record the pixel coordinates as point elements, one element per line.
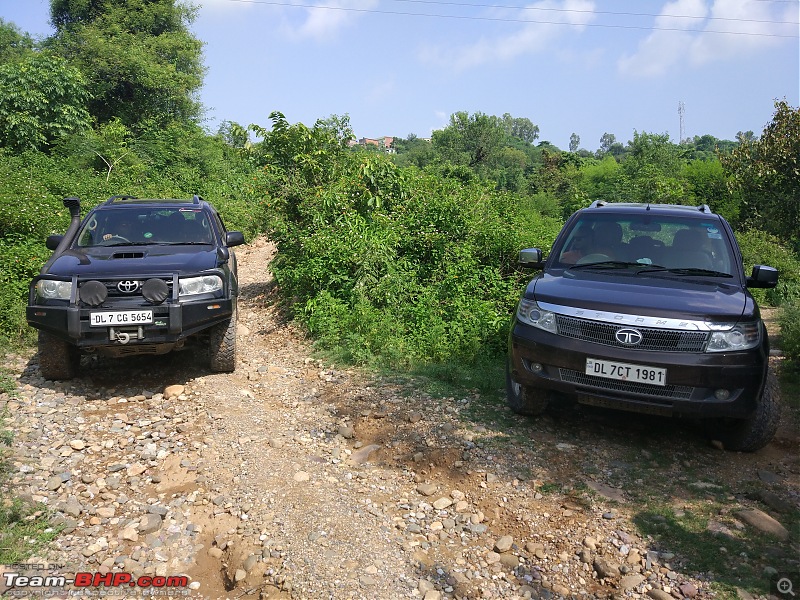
<point>220,225</point>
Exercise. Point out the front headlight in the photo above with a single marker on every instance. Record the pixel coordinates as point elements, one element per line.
<point>193,286</point>
<point>50,289</point>
<point>531,314</point>
<point>727,337</point>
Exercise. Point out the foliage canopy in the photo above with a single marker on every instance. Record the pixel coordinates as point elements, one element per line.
<point>142,64</point>
<point>42,100</point>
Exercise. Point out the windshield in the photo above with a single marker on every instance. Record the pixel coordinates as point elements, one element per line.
<point>142,226</point>
<point>676,243</point>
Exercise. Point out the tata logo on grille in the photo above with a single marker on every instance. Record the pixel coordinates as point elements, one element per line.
<point>628,336</point>
<point>128,287</point>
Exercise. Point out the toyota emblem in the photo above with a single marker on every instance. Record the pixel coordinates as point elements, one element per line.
<point>628,336</point>
<point>128,287</point>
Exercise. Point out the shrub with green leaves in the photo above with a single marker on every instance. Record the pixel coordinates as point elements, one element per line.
<point>395,266</point>
<point>790,330</point>
<point>761,248</point>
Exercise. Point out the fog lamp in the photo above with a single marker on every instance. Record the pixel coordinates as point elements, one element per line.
<point>722,394</point>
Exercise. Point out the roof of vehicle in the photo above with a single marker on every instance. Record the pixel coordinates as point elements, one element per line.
<point>628,207</point>
<point>133,200</point>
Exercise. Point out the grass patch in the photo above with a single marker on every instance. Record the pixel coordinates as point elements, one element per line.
<point>24,529</point>
<point>483,375</point>
<point>704,532</point>
<point>789,376</point>
<point>550,487</point>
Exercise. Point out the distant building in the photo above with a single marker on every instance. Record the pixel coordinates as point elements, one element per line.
<point>386,143</point>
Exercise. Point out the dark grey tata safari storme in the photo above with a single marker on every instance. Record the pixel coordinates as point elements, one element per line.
<point>137,276</point>
<point>645,307</point>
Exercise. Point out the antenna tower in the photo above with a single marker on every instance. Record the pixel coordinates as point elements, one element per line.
<point>681,112</point>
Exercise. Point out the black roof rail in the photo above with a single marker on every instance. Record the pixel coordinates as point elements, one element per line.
<point>120,197</point>
<point>597,204</point>
<point>703,208</point>
<point>197,199</point>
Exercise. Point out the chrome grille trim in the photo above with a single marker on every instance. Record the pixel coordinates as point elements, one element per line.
<point>626,319</point>
<point>653,339</point>
<point>676,392</point>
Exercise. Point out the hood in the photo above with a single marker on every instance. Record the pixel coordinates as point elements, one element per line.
<point>661,296</point>
<point>121,261</point>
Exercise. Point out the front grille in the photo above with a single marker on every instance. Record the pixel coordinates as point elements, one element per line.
<point>665,340</point>
<point>114,292</point>
<point>676,392</point>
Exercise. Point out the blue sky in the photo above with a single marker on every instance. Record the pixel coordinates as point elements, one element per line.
<point>587,67</point>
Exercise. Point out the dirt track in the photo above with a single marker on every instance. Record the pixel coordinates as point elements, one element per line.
<point>289,478</point>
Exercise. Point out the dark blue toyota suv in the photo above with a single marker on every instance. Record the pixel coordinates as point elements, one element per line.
<point>645,307</point>
<point>137,276</point>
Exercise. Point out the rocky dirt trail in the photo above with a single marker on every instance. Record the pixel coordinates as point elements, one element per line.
<point>292,479</point>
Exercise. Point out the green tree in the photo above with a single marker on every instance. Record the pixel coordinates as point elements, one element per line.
<point>574,142</point>
<point>606,141</point>
<point>707,183</point>
<point>610,146</point>
<point>652,165</point>
<point>602,179</point>
<point>141,62</point>
<point>473,140</point>
<point>413,151</point>
<point>520,128</point>
<point>745,136</point>
<point>234,134</point>
<point>767,172</point>
<point>14,44</point>
<point>42,100</point>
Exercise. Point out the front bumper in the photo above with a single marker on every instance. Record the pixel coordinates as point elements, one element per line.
<point>545,360</point>
<point>171,323</point>
<point>174,320</point>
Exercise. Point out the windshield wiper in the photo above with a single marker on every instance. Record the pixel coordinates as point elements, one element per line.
<point>608,264</point>
<point>687,271</point>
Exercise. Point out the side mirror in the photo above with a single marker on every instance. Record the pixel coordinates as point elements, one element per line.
<point>531,258</point>
<point>763,277</point>
<point>234,238</point>
<point>53,241</point>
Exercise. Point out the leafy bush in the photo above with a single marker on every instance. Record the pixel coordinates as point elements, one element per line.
<point>790,330</point>
<point>761,248</point>
<point>395,266</point>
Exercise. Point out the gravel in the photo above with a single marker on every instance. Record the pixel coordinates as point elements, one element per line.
<point>293,479</point>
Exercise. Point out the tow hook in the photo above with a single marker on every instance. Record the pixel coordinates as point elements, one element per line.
<point>123,337</point>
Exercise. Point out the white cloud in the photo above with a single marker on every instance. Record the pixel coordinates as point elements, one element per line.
<point>300,22</point>
<point>529,38</point>
<point>326,23</point>
<point>675,40</point>
<point>712,47</point>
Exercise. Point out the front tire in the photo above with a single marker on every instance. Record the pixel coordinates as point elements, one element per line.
<point>58,359</point>
<point>756,431</point>
<point>525,400</point>
<point>222,348</point>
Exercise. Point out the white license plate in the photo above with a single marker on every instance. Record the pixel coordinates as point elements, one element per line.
<point>120,317</point>
<point>626,371</point>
